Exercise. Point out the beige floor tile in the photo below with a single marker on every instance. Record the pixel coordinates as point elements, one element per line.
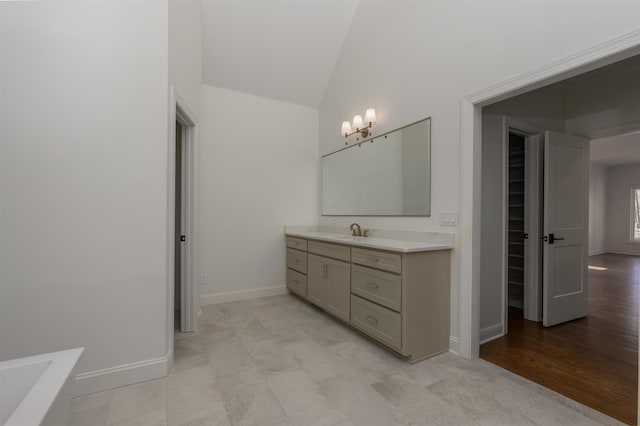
<point>228,356</point>
<point>539,407</point>
<point>137,400</point>
<point>247,398</point>
<point>425,372</point>
<point>272,358</point>
<point>325,332</point>
<point>213,414</point>
<point>280,361</point>
<point>372,364</point>
<point>153,418</point>
<point>189,353</point>
<point>191,396</point>
<point>283,330</point>
<point>300,397</point>
<point>319,362</point>
<point>362,404</point>
<point>90,410</point>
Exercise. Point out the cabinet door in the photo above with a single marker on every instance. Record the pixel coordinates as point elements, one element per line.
<point>338,288</point>
<point>316,280</point>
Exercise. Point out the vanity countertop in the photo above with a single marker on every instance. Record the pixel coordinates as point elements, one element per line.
<point>390,244</point>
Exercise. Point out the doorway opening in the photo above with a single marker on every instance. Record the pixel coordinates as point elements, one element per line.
<point>593,359</point>
<point>517,223</point>
<point>180,228</point>
<point>183,292</point>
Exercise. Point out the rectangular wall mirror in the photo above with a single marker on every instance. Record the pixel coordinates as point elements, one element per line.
<point>387,175</point>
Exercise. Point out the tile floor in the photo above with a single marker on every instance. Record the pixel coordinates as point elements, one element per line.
<point>280,361</point>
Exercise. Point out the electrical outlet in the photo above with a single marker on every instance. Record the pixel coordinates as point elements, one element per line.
<point>203,279</point>
<point>449,218</point>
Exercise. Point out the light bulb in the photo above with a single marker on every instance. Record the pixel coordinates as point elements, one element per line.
<point>370,116</point>
<point>346,128</point>
<point>357,122</point>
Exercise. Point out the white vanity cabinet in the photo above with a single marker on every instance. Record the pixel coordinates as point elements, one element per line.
<point>398,298</point>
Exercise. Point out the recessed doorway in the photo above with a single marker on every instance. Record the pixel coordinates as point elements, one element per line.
<point>593,360</point>
<point>183,292</point>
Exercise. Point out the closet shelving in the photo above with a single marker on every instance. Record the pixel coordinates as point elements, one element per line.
<point>516,215</point>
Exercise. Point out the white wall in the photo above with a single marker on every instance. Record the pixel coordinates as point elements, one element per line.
<point>598,208</point>
<point>259,170</point>
<point>185,51</point>
<point>620,180</point>
<point>424,57</point>
<point>83,182</point>
<point>491,258</point>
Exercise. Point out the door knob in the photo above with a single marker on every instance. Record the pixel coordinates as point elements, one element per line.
<point>552,238</point>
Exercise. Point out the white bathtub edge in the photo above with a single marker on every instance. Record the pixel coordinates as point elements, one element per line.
<point>40,401</point>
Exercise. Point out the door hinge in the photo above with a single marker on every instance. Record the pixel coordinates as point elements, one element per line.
<point>525,236</point>
<point>183,238</point>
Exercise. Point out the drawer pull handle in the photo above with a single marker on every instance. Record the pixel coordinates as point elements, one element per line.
<point>295,282</point>
<point>372,320</point>
<point>373,259</point>
<point>372,286</point>
<point>296,261</point>
<point>296,243</point>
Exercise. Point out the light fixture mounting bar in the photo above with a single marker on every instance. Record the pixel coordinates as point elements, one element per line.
<point>364,132</point>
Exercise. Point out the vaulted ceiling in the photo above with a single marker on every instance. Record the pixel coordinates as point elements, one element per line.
<point>280,49</point>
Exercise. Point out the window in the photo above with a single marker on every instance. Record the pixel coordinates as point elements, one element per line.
<point>635,215</point>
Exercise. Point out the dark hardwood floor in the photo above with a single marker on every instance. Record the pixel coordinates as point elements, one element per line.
<point>593,360</point>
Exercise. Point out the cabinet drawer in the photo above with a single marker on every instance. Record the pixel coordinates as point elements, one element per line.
<point>297,282</point>
<point>380,287</point>
<point>380,323</point>
<point>297,260</point>
<point>335,251</point>
<point>378,259</point>
<point>297,243</point>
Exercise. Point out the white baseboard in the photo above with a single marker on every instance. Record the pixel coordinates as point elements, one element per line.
<point>234,296</point>
<point>627,253</point>
<point>454,344</point>
<point>596,252</point>
<point>492,332</point>
<point>121,375</point>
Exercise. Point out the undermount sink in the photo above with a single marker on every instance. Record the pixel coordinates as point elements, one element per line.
<point>343,237</point>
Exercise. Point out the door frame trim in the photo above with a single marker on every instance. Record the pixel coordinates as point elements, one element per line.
<point>611,51</point>
<point>190,303</point>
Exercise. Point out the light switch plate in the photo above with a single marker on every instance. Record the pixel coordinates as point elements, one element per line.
<point>449,218</point>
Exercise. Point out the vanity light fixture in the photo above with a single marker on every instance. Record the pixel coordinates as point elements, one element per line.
<point>361,129</point>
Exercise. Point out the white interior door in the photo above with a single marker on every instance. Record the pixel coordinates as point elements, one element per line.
<point>566,226</point>
<point>186,315</point>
